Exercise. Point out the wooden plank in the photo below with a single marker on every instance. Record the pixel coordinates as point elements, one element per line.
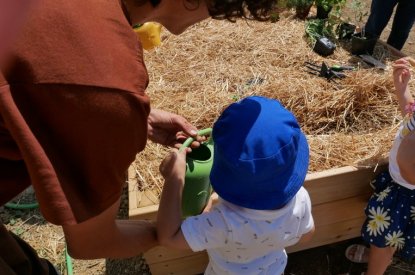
<point>162,254</point>
<point>393,50</point>
<point>189,265</point>
<point>139,199</point>
<point>341,210</point>
<point>330,185</point>
<point>332,233</point>
<point>132,190</point>
<point>340,183</point>
<point>144,213</point>
<point>336,221</point>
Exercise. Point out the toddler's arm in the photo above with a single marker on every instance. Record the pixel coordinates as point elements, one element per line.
<point>406,151</point>
<point>401,76</point>
<point>307,236</point>
<point>169,217</point>
<point>406,158</point>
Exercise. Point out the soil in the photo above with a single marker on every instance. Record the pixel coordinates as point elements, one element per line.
<point>48,239</point>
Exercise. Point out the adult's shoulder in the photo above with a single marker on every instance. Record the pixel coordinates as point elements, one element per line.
<point>78,42</point>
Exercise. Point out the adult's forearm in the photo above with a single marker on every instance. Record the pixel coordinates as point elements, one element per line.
<point>105,237</point>
<point>136,237</point>
<point>124,239</point>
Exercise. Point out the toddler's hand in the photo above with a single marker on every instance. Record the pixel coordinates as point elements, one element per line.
<point>401,74</point>
<point>174,165</point>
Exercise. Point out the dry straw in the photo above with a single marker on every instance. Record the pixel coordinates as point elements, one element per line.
<point>200,72</point>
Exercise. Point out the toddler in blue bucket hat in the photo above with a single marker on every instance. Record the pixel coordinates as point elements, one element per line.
<point>260,163</point>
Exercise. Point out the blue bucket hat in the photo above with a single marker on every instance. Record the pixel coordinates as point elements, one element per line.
<point>261,155</point>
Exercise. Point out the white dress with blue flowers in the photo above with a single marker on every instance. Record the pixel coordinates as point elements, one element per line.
<point>391,209</point>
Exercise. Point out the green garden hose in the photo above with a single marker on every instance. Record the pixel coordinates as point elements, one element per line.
<point>22,206</point>
<point>68,260</point>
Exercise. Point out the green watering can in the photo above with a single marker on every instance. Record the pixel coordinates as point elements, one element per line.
<point>197,188</point>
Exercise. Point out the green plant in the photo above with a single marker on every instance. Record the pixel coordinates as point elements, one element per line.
<point>335,5</point>
<point>359,10</point>
<point>317,28</point>
<point>302,7</point>
<point>299,3</point>
<point>280,6</point>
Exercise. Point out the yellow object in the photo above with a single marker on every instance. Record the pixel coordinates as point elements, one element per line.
<point>411,61</point>
<point>149,34</point>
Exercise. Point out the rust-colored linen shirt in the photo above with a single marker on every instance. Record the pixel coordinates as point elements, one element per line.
<point>73,109</point>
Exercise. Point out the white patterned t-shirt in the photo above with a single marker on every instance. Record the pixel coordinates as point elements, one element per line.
<point>241,241</point>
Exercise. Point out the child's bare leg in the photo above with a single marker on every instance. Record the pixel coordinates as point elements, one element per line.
<point>379,259</point>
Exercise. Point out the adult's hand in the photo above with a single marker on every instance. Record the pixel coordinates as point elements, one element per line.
<point>170,129</point>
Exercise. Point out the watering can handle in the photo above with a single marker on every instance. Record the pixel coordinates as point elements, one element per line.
<point>189,140</point>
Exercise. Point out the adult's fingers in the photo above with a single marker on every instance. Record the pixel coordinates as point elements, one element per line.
<point>186,126</point>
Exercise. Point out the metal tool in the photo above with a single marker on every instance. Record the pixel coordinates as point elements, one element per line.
<point>368,59</point>
<point>330,73</point>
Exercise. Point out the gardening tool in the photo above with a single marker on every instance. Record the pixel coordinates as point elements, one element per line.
<point>197,188</point>
<point>340,68</point>
<point>370,60</point>
<point>330,73</point>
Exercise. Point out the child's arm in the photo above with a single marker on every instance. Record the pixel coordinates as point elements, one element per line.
<point>307,236</point>
<point>401,76</point>
<point>406,151</point>
<point>169,217</point>
<point>406,158</point>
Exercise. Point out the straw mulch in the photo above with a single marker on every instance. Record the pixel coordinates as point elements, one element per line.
<point>200,72</point>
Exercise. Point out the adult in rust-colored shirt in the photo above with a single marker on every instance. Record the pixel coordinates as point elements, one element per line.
<point>73,115</point>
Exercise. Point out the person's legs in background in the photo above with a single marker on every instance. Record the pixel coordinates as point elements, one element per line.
<point>380,13</point>
<point>402,23</point>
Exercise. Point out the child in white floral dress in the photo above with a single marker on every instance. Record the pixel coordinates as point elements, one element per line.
<point>390,222</point>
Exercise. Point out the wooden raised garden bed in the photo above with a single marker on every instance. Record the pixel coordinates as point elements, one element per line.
<point>349,123</point>
<point>338,196</point>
